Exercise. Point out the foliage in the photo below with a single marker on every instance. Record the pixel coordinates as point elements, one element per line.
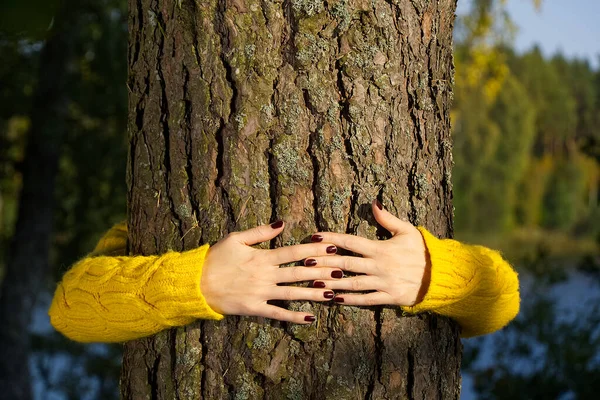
<point>493,147</point>
<point>524,130</point>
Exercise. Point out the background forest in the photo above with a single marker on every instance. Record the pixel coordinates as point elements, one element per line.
<point>526,180</point>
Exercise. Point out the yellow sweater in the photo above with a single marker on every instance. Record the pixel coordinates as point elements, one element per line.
<point>110,297</point>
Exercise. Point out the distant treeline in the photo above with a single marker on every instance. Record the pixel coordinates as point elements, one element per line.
<point>526,133</point>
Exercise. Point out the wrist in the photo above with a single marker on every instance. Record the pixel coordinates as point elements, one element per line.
<point>208,284</point>
<point>179,287</point>
<point>453,273</point>
<point>426,279</point>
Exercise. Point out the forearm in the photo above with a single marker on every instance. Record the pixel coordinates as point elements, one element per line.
<point>115,299</point>
<point>471,284</point>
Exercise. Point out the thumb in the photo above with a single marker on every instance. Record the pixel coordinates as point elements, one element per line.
<point>259,234</point>
<point>390,222</point>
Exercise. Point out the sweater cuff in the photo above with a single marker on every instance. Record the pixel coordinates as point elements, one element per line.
<point>174,290</point>
<point>455,273</point>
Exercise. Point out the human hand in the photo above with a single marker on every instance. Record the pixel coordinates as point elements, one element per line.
<point>238,279</point>
<point>397,270</point>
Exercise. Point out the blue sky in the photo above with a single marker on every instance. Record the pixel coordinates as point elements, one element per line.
<point>571,26</point>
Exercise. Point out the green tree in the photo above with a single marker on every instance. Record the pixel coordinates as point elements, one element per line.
<point>565,194</point>
<point>493,142</point>
<point>514,115</point>
<point>556,117</point>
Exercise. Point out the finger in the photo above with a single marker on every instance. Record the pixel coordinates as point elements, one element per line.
<point>359,265</point>
<point>390,222</point>
<point>299,293</point>
<point>258,234</point>
<point>287,254</point>
<point>355,283</point>
<point>299,274</point>
<point>281,314</point>
<point>369,299</point>
<point>355,244</point>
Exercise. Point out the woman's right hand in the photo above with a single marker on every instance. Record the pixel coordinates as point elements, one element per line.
<point>238,279</point>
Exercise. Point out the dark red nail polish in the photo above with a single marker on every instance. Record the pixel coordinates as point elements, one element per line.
<point>328,295</point>
<point>331,250</point>
<point>309,318</point>
<point>337,274</point>
<point>338,299</point>
<point>277,224</point>
<point>310,262</point>
<point>316,238</point>
<point>378,204</point>
<point>318,285</point>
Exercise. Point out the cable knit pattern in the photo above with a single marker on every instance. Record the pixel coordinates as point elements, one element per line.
<point>471,284</point>
<point>118,298</point>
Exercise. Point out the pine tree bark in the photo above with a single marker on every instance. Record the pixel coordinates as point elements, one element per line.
<point>243,112</point>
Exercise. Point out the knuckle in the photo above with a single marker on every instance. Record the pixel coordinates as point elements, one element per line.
<point>295,253</point>
<point>357,285</point>
<point>260,231</point>
<point>296,274</point>
<point>232,235</point>
<point>277,314</point>
<point>348,264</point>
<point>370,301</point>
<point>288,293</point>
<point>347,242</point>
<point>352,242</point>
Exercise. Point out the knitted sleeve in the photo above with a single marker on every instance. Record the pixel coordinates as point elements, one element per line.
<point>115,298</point>
<point>471,284</point>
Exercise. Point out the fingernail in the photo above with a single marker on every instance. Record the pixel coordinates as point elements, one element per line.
<point>328,295</point>
<point>378,204</point>
<point>318,285</point>
<point>310,262</point>
<point>316,238</point>
<point>277,224</point>
<point>331,249</point>
<point>338,299</point>
<point>337,274</point>
<point>309,318</point>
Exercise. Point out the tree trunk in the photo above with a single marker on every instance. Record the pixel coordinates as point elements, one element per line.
<point>28,259</point>
<point>243,112</point>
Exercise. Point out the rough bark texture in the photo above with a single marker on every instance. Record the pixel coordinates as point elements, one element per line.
<point>28,259</point>
<point>245,111</point>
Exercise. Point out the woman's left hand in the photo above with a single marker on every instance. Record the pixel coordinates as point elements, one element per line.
<point>396,271</point>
